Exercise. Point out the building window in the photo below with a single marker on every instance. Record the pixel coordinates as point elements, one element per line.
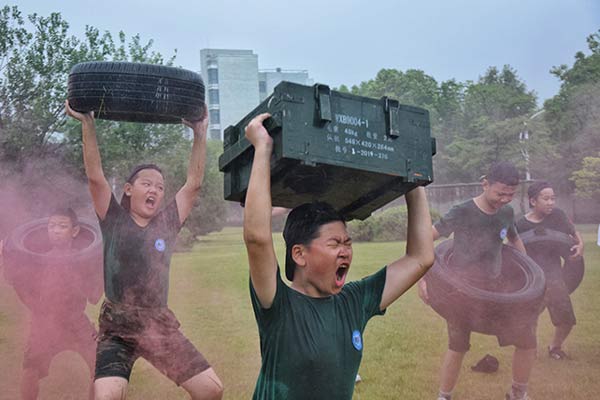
<point>262,86</point>
<point>213,96</point>
<point>214,117</point>
<point>213,76</point>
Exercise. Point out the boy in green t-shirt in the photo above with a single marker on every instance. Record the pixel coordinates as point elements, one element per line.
<point>480,226</point>
<point>311,333</point>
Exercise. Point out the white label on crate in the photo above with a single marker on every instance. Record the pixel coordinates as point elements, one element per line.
<point>351,120</point>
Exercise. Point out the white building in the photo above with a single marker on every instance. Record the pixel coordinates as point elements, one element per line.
<point>235,86</point>
<point>269,78</point>
<point>231,78</point>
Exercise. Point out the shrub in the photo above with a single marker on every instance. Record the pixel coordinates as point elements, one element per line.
<point>362,231</point>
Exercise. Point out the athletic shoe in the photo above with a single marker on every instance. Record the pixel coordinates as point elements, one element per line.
<point>358,378</point>
<point>556,353</point>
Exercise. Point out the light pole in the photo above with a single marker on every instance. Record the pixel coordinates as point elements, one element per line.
<point>524,140</point>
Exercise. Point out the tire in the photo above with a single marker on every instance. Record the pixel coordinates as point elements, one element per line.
<point>572,273</point>
<point>573,269</point>
<point>136,92</point>
<point>486,311</point>
<point>25,258</point>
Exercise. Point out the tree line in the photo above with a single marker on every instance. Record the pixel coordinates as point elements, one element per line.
<point>495,117</point>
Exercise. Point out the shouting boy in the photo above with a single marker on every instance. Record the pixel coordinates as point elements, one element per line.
<point>311,333</point>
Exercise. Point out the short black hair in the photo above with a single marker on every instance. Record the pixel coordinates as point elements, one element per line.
<point>66,212</point>
<point>125,200</point>
<point>302,226</point>
<point>535,188</point>
<point>503,172</point>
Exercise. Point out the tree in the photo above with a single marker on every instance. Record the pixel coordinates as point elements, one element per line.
<point>587,179</point>
<point>41,147</point>
<point>573,115</point>
<point>475,123</point>
<point>494,110</point>
<point>34,67</point>
<point>412,87</point>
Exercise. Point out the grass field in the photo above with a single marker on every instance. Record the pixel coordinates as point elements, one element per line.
<point>402,354</point>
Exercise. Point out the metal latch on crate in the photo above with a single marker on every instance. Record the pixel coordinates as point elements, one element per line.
<point>323,102</point>
<point>391,109</point>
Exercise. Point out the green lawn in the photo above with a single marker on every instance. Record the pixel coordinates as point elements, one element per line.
<point>403,349</point>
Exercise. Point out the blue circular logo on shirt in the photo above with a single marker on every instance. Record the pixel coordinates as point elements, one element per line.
<point>160,245</point>
<point>357,340</point>
<point>503,233</point>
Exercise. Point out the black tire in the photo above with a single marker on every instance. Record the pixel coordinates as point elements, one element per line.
<point>572,273</point>
<point>573,269</point>
<point>485,311</point>
<point>25,255</point>
<point>136,92</point>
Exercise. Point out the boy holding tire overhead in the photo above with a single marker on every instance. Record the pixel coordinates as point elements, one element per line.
<point>547,254</point>
<point>55,285</point>
<point>311,333</point>
<point>480,226</point>
<point>139,239</point>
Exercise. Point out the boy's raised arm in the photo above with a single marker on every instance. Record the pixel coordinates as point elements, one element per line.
<point>257,215</point>
<point>99,186</point>
<point>188,193</point>
<point>405,272</point>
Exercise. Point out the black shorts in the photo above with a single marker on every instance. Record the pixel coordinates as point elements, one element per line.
<point>523,337</point>
<point>127,333</point>
<point>559,303</point>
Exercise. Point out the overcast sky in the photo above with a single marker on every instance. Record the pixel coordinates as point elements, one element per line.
<point>346,42</point>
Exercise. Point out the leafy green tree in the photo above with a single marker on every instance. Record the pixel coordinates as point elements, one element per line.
<point>475,123</point>
<point>412,87</point>
<point>35,61</point>
<point>487,124</point>
<point>37,141</point>
<point>587,179</point>
<point>573,115</point>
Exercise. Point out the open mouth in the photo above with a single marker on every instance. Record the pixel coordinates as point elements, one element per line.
<point>340,275</point>
<point>150,201</point>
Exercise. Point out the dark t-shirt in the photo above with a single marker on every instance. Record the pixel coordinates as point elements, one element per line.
<point>478,238</point>
<point>311,348</point>
<point>546,255</point>
<point>136,259</point>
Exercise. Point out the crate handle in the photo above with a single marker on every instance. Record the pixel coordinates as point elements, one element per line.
<point>323,103</point>
<point>391,109</point>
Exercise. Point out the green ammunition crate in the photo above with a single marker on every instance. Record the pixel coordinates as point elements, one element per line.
<point>354,152</point>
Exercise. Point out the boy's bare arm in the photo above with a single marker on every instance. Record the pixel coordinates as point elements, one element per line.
<point>257,215</point>
<point>188,193</point>
<point>405,272</point>
<point>577,248</point>
<point>99,186</point>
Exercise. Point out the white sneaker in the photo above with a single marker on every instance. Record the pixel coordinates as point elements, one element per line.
<point>358,378</point>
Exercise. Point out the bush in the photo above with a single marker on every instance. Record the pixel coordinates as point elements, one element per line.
<point>362,231</point>
<point>386,226</point>
<point>391,224</point>
<point>185,240</point>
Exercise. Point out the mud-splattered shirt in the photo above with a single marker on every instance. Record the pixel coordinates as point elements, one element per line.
<point>311,348</point>
<point>478,238</point>
<point>136,259</point>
